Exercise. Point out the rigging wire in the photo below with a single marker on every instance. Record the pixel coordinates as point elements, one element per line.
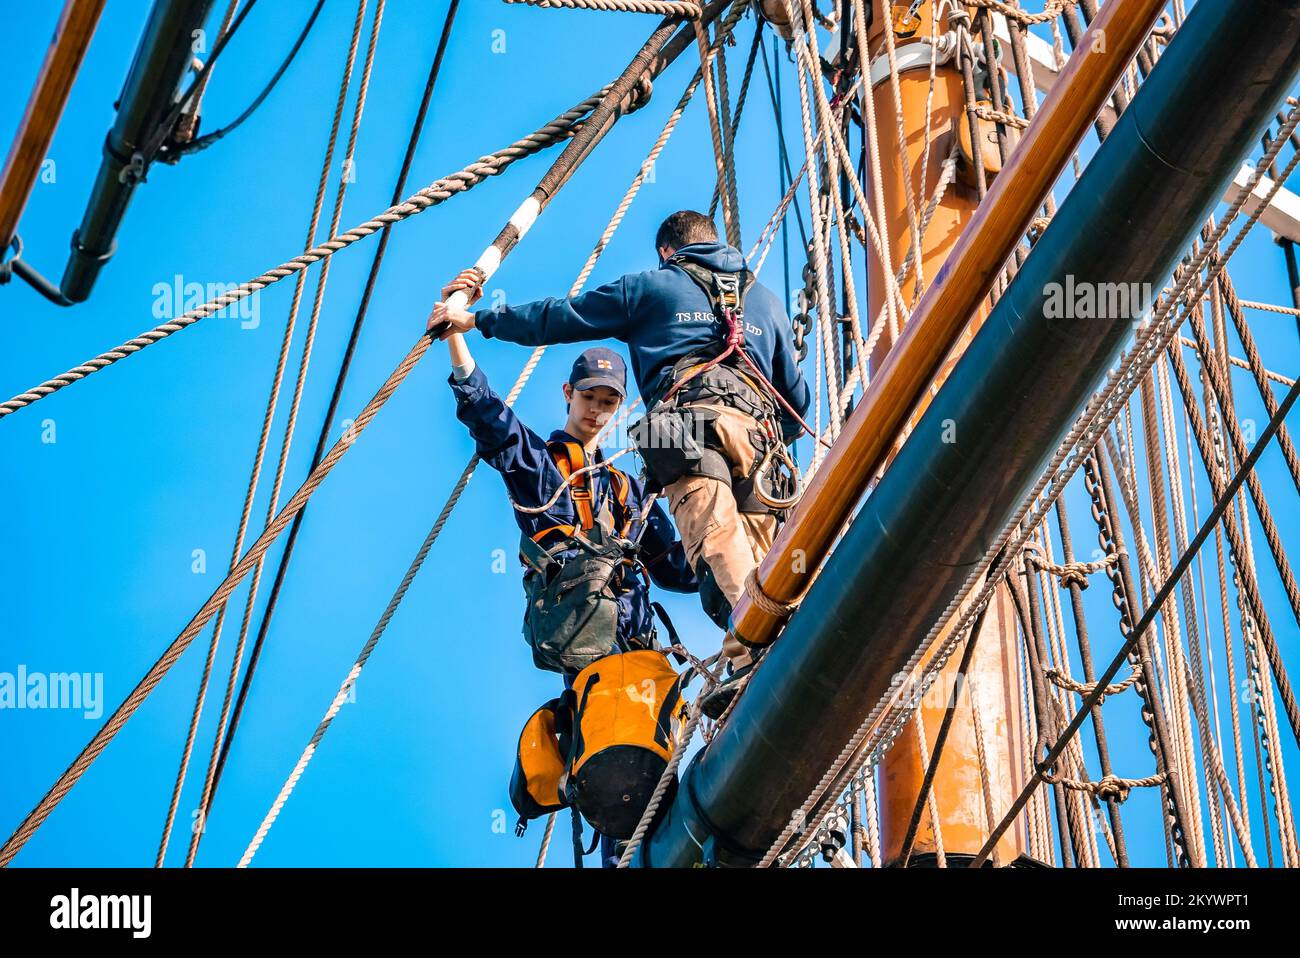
<point>154,144</point>
<point>174,151</point>
<point>344,367</point>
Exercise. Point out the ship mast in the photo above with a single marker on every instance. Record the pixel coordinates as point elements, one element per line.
<point>929,153</point>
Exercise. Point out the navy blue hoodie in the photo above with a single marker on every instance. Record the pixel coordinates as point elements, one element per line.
<point>531,478</point>
<point>663,316</point>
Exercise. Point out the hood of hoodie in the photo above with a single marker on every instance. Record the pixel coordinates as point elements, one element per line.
<point>715,256</point>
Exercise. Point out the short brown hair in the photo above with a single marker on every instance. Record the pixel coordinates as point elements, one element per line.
<point>685,227</point>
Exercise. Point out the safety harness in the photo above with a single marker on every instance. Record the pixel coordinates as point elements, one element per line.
<point>577,572</point>
<point>678,438</point>
<point>570,458</point>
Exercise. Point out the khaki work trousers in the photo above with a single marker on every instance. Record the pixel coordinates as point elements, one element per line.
<point>730,542</point>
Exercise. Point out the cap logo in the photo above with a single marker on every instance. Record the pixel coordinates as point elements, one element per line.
<point>604,364</point>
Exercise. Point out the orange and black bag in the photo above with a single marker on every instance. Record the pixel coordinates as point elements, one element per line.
<point>539,782</point>
<point>603,745</point>
<point>630,711</point>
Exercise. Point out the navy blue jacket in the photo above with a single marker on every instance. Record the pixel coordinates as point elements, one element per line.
<point>531,478</point>
<point>663,316</point>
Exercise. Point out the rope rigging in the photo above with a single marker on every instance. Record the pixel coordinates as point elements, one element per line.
<point>263,438</point>
<point>186,143</point>
<point>345,366</point>
<point>600,116</point>
<point>1132,475</point>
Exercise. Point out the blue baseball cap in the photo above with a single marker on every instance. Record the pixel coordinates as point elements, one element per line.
<point>599,366</point>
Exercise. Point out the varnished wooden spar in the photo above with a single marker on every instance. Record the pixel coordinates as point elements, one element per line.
<point>942,314</point>
<point>942,507</point>
<point>49,96</point>
<point>929,137</point>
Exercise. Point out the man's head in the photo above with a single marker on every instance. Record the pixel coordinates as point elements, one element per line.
<point>682,229</point>
<point>596,387</point>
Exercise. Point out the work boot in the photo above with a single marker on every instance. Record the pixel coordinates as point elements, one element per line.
<point>715,702</point>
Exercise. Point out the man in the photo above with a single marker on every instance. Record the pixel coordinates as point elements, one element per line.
<point>671,325</point>
<point>554,499</point>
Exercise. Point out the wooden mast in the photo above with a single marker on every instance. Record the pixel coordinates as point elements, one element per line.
<point>959,787</point>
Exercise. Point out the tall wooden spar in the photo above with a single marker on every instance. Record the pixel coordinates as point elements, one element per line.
<point>936,116</point>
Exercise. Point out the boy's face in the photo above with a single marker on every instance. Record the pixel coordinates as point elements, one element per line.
<point>589,410</point>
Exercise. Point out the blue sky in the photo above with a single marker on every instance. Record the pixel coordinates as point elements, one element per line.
<point>152,456</point>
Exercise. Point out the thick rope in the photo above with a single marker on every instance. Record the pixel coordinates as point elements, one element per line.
<point>1074,573</point>
<point>721,157</point>
<point>670,772</point>
<point>546,841</point>
<point>794,10</point>
<point>1270,307</point>
<point>174,651</point>
<point>1110,788</point>
<point>294,405</point>
<point>1063,681</point>
<point>345,365</point>
<point>309,751</point>
<point>1050,12</point>
<point>1086,432</point>
<point>277,380</point>
<point>559,129</point>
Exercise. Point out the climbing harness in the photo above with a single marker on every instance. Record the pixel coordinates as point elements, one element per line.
<point>576,572</point>
<point>680,436</point>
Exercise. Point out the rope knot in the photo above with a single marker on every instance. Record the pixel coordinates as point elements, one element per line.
<point>639,95</point>
<point>773,607</point>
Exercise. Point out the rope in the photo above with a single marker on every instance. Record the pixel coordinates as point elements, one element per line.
<point>173,652</point>
<point>546,840</point>
<point>1053,10</point>
<point>998,116</point>
<point>364,656</point>
<point>309,751</point>
<point>295,505</point>
<point>1270,308</point>
<point>1240,363</point>
<point>741,97</point>
<point>670,772</point>
<point>1074,573</point>
<point>1158,601</point>
<point>1109,788</point>
<point>721,155</point>
<point>345,366</point>
<point>685,9</point>
<point>296,402</point>
<point>1193,672</point>
<point>255,474</point>
<point>764,601</point>
<point>1063,681</point>
<point>1086,432</point>
<point>891,50</point>
<point>434,194</point>
<point>1259,373</point>
<point>818,253</point>
<point>564,486</point>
